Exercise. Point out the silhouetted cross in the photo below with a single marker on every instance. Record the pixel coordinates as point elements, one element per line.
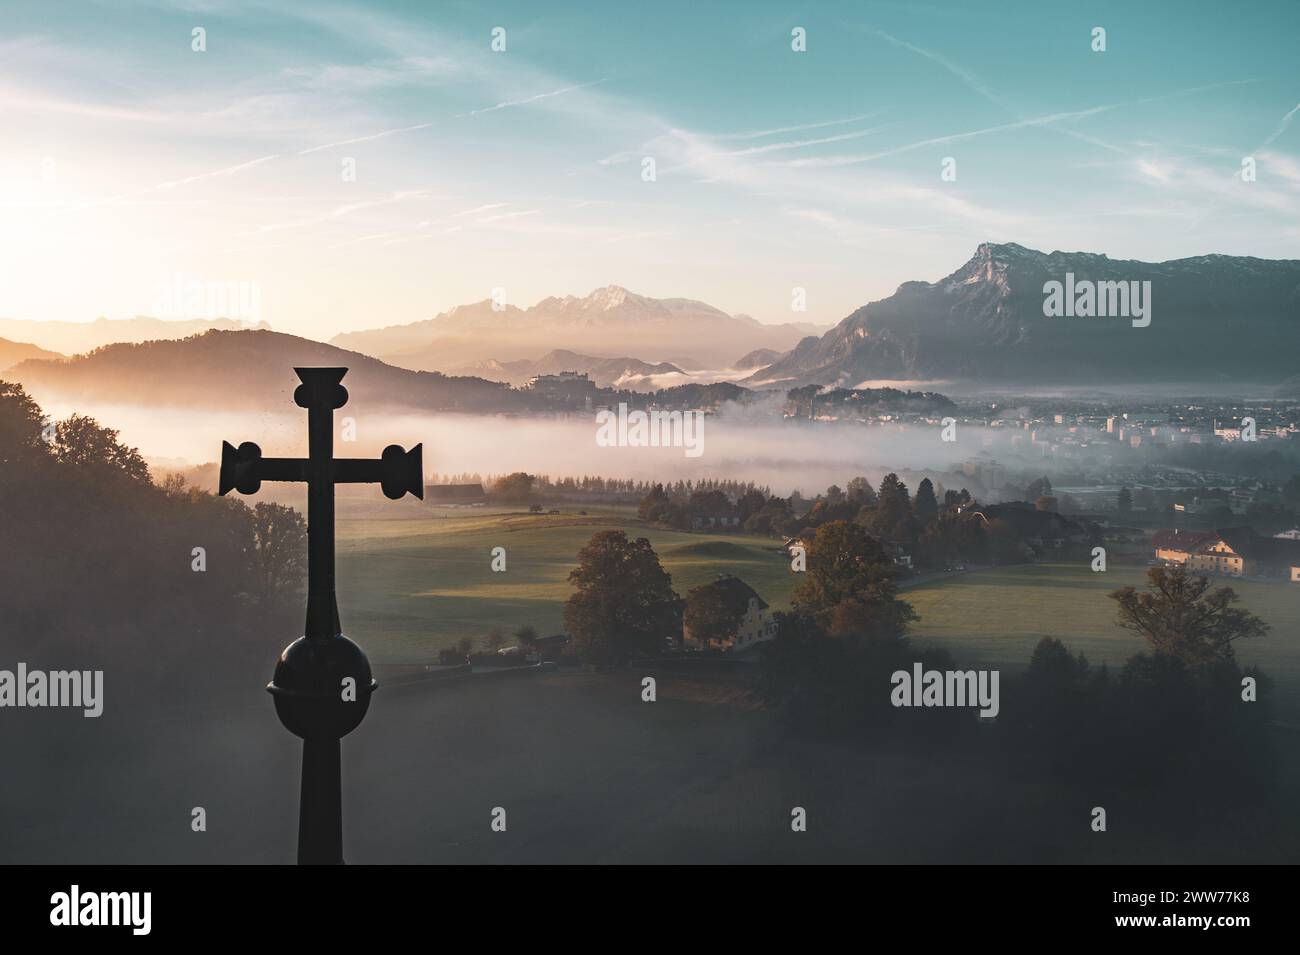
<point>322,683</point>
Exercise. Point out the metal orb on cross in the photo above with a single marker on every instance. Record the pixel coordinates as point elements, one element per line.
<point>322,683</point>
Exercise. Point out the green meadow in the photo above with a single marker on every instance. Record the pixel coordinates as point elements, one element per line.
<point>995,617</point>
<point>412,584</point>
<point>409,586</point>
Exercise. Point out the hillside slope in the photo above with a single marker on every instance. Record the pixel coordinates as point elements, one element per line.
<point>1213,318</point>
<point>247,370</point>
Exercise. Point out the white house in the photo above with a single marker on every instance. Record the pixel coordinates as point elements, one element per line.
<point>756,622</point>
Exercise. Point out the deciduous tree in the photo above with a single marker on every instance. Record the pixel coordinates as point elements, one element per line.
<point>623,604</point>
<point>1182,616</point>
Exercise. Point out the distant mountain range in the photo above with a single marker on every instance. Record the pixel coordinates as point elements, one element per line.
<point>611,321</point>
<point>11,353</point>
<point>252,371</point>
<point>73,338</point>
<point>1214,318</point>
<point>629,373</point>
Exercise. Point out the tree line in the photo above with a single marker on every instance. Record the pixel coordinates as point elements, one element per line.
<point>521,487</point>
<point>930,524</point>
<point>173,591</point>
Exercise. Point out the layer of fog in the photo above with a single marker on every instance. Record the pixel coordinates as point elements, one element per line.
<point>744,444</point>
<point>672,379</point>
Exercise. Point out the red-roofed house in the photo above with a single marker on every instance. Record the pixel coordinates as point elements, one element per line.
<point>1240,552</point>
<point>1176,546</point>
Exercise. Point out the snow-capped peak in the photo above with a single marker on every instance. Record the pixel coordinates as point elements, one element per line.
<point>611,296</point>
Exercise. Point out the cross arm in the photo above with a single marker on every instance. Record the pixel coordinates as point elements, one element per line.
<point>397,471</point>
<point>243,468</point>
<point>358,470</point>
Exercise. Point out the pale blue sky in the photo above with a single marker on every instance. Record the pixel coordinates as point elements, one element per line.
<point>129,159</point>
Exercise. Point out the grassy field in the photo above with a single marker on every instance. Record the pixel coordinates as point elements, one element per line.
<point>411,585</point>
<point>996,616</point>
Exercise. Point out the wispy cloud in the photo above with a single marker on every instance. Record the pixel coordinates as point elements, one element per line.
<point>508,215</point>
<point>974,83</point>
<point>508,104</point>
<point>14,99</point>
<point>1209,189</point>
<point>383,133</point>
<point>1281,165</point>
<point>763,172</point>
<point>781,130</point>
<point>1046,120</point>
<point>1281,127</point>
<point>216,173</point>
<point>370,137</point>
<point>967,77</point>
<point>346,209</point>
<point>350,78</point>
<point>479,209</point>
<point>775,147</point>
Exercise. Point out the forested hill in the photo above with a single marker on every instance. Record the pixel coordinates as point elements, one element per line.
<point>242,370</point>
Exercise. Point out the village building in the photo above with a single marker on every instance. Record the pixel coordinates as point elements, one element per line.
<point>1174,546</point>
<point>455,495</point>
<point>756,621</point>
<point>568,389</point>
<point>1293,565</point>
<point>1231,552</point>
<point>714,515</point>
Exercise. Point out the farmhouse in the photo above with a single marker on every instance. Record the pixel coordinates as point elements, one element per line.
<point>1174,546</point>
<point>455,495</point>
<point>1236,552</point>
<point>714,513</point>
<point>1231,553</point>
<point>756,623</point>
